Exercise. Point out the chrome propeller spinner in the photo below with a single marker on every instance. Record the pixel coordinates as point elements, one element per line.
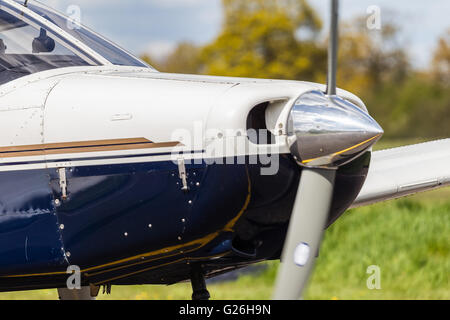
<point>328,131</point>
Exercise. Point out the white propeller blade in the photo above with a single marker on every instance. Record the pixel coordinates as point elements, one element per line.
<point>309,216</point>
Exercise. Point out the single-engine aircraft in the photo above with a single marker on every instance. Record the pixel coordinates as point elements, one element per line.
<point>131,176</point>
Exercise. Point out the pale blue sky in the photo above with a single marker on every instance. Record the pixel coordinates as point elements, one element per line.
<point>155,26</point>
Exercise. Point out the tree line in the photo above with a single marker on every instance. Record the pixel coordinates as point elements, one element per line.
<point>280,39</point>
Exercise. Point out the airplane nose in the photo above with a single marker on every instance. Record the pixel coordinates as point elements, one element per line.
<point>328,131</point>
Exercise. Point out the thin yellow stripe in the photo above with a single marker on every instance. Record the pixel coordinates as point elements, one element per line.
<point>160,266</point>
<point>228,227</point>
<point>202,241</point>
<point>149,254</point>
<point>345,150</point>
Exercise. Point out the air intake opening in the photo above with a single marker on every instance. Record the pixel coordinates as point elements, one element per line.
<point>257,130</point>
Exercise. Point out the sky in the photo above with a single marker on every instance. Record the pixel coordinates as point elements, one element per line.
<point>156,26</point>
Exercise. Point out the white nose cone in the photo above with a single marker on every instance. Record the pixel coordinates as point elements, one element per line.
<point>328,131</point>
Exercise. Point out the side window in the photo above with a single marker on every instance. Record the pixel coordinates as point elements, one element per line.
<point>26,49</point>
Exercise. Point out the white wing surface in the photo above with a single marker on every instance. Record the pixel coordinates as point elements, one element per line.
<point>399,172</point>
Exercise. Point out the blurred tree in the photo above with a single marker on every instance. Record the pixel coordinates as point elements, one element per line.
<point>263,39</point>
<point>369,59</point>
<point>184,59</point>
<point>280,39</point>
<point>406,102</point>
<point>416,108</point>
<point>148,59</point>
<point>441,60</point>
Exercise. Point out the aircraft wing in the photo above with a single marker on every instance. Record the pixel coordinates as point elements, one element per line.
<point>399,172</point>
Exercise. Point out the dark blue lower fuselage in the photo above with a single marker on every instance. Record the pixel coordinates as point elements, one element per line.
<point>132,223</point>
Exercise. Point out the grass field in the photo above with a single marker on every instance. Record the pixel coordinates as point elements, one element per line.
<point>408,239</point>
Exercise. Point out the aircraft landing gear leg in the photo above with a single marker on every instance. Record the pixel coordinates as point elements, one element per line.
<point>199,284</point>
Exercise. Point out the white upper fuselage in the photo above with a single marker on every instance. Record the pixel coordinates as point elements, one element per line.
<point>113,102</point>
<point>97,100</point>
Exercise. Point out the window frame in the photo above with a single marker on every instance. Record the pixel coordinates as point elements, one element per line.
<point>143,64</point>
<point>59,35</point>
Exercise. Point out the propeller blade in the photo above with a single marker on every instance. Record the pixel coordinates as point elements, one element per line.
<point>309,216</point>
<point>324,133</point>
<point>333,48</point>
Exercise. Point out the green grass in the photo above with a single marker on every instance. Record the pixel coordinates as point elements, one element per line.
<point>408,239</point>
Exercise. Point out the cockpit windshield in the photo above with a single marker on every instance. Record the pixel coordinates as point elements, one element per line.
<point>27,47</point>
<point>105,48</point>
<point>31,43</point>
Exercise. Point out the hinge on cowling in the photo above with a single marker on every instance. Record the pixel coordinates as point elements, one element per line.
<point>183,174</point>
<point>63,182</point>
